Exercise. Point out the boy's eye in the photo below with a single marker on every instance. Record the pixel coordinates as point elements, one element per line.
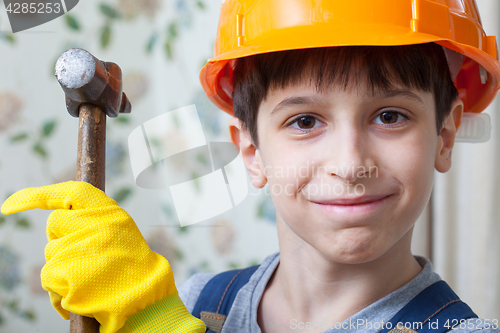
<point>390,118</point>
<point>305,122</point>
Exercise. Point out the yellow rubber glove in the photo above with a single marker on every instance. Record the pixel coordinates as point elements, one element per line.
<point>99,265</point>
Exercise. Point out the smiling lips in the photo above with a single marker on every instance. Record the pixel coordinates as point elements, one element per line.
<point>358,205</point>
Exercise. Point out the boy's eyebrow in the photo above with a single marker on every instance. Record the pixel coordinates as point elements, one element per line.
<point>310,100</point>
<point>400,92</point>
<point>297,101</point>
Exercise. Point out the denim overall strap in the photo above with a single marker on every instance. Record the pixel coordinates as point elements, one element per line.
<point>217,297</point>
<point>434,310</point>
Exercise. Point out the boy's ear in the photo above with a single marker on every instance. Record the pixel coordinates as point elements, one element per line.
<point>251,154</point>
<point>446,138</point>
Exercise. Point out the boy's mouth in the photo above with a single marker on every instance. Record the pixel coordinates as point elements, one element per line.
<point>361,204</point>
<point>353,201</point>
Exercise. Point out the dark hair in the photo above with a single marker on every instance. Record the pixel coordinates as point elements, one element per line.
<point>423,67</point>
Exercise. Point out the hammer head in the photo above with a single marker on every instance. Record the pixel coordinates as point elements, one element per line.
<point>85,79</point>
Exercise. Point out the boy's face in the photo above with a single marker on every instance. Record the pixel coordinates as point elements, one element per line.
<point>349,172</point>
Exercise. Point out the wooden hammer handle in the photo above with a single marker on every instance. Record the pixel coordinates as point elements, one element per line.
<point>81,324</point>
<point>91,156</point>
<point>90,168</point>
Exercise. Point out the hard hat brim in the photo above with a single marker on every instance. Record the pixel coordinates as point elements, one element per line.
<point>369,35</point>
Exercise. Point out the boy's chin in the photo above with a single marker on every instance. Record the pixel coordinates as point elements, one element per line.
<point>355,252</point>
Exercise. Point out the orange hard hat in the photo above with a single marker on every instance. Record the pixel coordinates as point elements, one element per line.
<point>248,27</point>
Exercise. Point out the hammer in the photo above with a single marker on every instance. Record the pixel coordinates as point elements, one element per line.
<point>93,89</point>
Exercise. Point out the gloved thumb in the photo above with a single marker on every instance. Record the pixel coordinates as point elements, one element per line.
<point>67,195</point>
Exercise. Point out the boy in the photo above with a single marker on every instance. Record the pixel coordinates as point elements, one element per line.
<point>347,129</point>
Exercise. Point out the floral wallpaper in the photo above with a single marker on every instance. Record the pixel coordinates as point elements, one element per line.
<point>160,45</point>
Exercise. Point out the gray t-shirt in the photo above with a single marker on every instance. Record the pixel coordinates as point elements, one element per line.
<point>243,315</point>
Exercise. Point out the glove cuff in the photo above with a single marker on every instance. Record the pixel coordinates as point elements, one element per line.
<point>168,315</point>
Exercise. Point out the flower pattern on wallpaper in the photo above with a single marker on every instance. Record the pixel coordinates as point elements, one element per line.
<point>130,9</point>
<point>163,243</point>
<point>223,236</point>
<point>10,107</point>
<point>35,283</point>
<point>10,274</point>
<point>116,157</point>
<point>208,112</point>
<point>136,84</point>
<point>10,281</point>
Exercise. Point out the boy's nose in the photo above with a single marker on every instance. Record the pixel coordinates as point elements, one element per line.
<point>351,156</point>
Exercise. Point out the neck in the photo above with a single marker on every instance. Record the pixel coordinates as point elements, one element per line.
<point>315,286</point>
